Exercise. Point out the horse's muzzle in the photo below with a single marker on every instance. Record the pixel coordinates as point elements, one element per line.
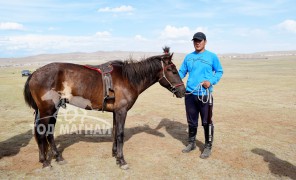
<point>179,92</point>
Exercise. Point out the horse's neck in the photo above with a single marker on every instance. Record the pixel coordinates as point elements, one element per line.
<point>146,83</point>
<point>143,74</point>
<point>149,81</point>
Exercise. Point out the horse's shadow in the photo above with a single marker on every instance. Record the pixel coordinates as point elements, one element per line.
<point>176,129</point>
<point>277,166</point>
<point>66,140</point>
<point>12,146</point>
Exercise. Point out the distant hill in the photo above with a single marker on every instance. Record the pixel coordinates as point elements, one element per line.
<point>259,55</point>
<point>104,56</point>
<point>78,57</point>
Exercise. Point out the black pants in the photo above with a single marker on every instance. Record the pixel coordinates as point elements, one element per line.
<point>194,107</point>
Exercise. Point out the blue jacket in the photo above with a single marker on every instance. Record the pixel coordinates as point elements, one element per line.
<point>200,67</point>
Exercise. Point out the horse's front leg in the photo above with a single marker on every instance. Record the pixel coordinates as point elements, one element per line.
<point>120,117</point>
<point>114,148</point>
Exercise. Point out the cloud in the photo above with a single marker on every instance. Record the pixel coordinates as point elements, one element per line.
<point>248,32</point>
<point>140,38</point>
<point>122,8</point>
<point>103,34</point>
<point>175,32</point>
<point>172,32</point>
<point>254,8</point>
<point>11,26</point>
<point>52,28</point>
<point>288,25</point>
<point>32,44</point>
<point>37,44</point>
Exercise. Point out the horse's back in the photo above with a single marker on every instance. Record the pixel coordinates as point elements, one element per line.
<point>52,75</point>
<point>61,72</point>
<point>57,81</point>
<point>53,68</point>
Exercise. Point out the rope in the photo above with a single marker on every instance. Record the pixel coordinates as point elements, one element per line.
<point>199,91</point>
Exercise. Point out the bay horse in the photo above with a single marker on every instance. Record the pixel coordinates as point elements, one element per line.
<point>54,83</point>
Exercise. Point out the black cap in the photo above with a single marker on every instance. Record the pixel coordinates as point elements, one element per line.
<point>199,36</point>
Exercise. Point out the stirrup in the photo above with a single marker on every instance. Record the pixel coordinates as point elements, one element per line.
<point>109,97</point>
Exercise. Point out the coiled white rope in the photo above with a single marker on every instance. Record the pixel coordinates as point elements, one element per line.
<point>201,93</point>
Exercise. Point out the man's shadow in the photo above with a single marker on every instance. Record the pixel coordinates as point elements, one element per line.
<point>178,131</point>
<point>277,166</point>
<point>12,146</point>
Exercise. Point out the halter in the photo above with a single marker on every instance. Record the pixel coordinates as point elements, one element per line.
<point>173,87</point>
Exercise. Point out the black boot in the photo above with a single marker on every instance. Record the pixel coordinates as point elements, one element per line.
<point>191,140</point>
<point>209,135</point>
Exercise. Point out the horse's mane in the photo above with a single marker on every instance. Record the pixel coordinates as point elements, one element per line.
<point>135,71</point>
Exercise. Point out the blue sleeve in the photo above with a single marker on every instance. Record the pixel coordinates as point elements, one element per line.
<point>183,69</point>
<point>217,68</point>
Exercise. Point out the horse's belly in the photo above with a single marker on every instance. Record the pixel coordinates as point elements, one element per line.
<point>80,102</point>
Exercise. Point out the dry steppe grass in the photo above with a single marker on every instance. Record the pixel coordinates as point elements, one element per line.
<point>255,137</point>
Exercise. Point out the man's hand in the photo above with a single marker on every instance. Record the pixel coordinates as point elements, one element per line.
<point>206,84</point>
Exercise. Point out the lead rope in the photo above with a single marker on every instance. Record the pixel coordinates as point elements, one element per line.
<point>198,89</point>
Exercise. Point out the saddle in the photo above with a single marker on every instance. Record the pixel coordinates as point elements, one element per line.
<point>105,70</point>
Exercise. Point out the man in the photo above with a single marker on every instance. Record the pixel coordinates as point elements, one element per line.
<point>205,70</point>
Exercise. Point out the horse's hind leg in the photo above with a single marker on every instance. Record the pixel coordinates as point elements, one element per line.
<point>44,128</point>
<point>40,128</point>
<point>57,155</point>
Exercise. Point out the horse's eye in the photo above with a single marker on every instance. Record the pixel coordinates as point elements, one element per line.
<point>172,68</point>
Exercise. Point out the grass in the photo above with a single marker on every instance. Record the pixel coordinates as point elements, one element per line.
<point>254,115</point>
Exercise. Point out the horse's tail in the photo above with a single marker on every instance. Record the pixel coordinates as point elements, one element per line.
<point>28,96</point>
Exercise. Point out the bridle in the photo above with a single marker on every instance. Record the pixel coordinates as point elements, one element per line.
<point>172,87</point>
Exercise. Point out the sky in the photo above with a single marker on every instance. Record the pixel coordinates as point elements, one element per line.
<point>32,27</point>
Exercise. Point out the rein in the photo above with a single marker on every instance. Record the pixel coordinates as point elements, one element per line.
<point>173,87</point>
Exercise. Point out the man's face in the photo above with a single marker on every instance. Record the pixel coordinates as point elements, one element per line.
<point>199,45</point>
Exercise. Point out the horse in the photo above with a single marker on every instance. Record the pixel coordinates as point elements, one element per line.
<point>56,84</point>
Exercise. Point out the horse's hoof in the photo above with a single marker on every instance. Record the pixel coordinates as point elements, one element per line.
<point>124,167</point>
<point>62,162</point>
<point>114,153</point>
<point>46,164</point>
<point>47,168</point>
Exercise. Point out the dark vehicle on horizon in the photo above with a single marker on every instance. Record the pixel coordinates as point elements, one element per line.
<point>25,73</point>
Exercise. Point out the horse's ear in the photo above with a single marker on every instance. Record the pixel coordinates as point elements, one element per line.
<point>171,56</point>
